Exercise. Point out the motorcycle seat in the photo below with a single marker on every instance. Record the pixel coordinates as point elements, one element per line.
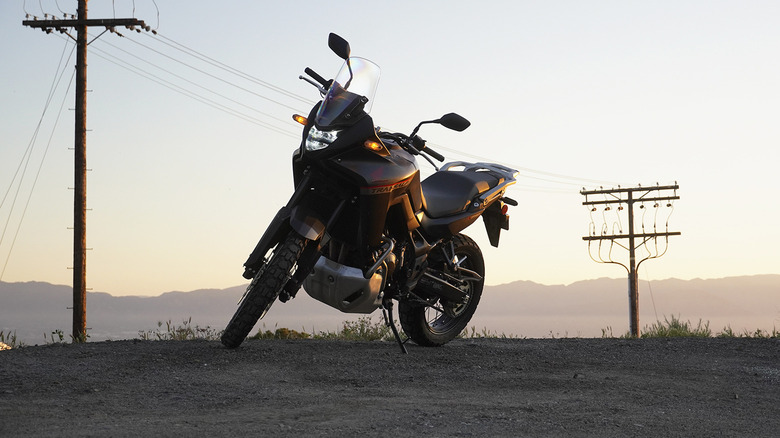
<point>450,192</point>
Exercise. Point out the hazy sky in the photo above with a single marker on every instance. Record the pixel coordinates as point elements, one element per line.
<point>573,93</point>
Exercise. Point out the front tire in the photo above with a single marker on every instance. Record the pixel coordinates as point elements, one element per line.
<point>429,327</point>
<point>264,290</point>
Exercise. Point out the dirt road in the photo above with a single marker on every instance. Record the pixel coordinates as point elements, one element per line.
<point>471,387</point>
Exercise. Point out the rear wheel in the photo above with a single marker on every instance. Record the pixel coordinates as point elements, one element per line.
<point>264,290</point>
<point>440,322</point>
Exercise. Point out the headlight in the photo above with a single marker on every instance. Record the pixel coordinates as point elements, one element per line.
<point>320,139</point>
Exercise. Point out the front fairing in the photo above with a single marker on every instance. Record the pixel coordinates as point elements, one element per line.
<point>341,120</point>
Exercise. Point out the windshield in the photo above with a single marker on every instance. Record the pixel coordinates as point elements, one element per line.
<point>354,87</point>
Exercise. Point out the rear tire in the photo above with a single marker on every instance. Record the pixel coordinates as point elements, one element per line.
<point>264,290</point>
<point>429,327</point>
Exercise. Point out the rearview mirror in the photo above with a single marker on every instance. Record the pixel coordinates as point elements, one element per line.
<point>454,121</point>
<point>339,45</point>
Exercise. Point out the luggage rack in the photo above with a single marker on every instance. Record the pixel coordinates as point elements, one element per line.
<point>507,176</point>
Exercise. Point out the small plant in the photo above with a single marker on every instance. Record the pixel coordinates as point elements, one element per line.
<point>674,328</point>
<point>364,329</point>
<point>80,339</point>
<point>728,332</point>
<point>60,337</point>
<point>9,341</point>
<point>183,332</point>
<point>280,333</point>
<point>472,333</point>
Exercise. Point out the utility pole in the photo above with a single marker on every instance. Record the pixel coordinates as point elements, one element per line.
<point>81,24</point>
<point>628,196</point>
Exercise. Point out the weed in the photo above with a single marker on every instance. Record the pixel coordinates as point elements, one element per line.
<point>472,333</point>
<point>280,333</point>
<point>728,332</point>
<point>183,332</point>
<point>60,337</point>
<point>9,341</point>
<point>363,329</point>
<point>674,328</point>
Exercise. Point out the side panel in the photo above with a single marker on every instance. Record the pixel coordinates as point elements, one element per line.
<point>394,201</point>
<point>449,226</point>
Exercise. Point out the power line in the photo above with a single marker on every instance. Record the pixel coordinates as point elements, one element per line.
<point>214,62</point>
<point>175,87</point>
<point>534,171</point>
<point>546,176</point>
<point>192,95</point>
<point>35,180</point>
<point>529,173</point>
<point>216,77</point>
<point>24,162</point>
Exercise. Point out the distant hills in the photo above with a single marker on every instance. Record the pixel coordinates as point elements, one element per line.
<point>522,308</point>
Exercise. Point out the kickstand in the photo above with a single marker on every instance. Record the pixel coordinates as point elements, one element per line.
<point>387,312</point>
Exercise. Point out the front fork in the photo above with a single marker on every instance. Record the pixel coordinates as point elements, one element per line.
<point>309,257</point>
<point>297,217</point>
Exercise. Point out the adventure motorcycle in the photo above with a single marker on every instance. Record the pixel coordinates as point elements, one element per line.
<point>362,229</point>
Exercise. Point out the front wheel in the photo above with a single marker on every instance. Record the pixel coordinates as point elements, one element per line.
<point>440,322</point>
<point>264,290</point>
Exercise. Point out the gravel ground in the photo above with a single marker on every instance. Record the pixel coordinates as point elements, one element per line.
<point>470,387</point>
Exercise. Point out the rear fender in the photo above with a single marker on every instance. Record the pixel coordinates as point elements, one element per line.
<point>495,219</point>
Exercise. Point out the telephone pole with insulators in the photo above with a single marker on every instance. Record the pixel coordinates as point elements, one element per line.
<point>611,233</point>
<point>81,24</point>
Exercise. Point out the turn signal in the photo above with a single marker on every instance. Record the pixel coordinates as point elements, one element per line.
<point>373,145</point>
<point>300,119</point>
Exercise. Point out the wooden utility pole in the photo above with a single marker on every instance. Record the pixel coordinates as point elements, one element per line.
<point>616,196</point>
<point>80,24</point>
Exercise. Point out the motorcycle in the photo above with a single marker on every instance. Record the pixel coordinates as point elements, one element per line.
<point>362,230</point>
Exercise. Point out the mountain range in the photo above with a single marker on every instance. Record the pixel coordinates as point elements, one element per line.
<point>33,310</point>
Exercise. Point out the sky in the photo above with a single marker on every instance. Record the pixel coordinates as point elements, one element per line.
<point>190,134</point>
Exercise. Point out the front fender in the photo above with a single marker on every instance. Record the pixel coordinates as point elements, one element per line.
<point>305,221</point>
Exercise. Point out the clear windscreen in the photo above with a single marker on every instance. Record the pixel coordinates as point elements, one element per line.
<point>357,78</point>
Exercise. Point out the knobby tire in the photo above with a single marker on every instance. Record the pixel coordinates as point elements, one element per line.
<point>264,290</point>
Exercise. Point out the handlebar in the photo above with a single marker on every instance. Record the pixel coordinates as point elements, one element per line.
<point>325,84</point>
<point>415,144</point>
<point>434,154</point>
<point>419,144</point>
